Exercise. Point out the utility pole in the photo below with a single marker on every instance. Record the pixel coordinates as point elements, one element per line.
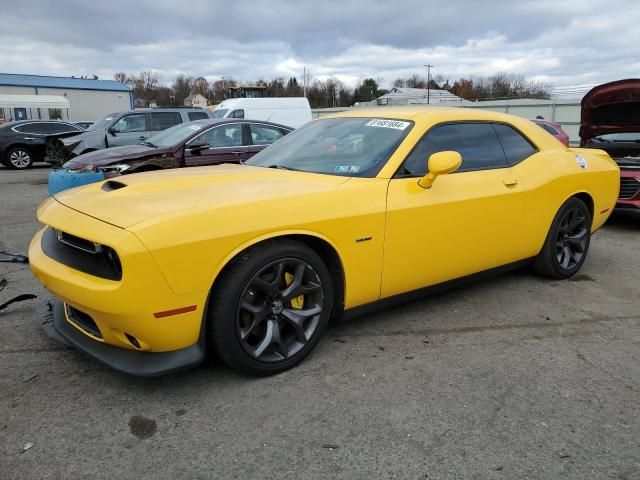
<point>429,67</point>
<point>223,94</point>
<point>304,82</point>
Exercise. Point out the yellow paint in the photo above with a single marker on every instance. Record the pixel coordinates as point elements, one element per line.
<point>175,230</point>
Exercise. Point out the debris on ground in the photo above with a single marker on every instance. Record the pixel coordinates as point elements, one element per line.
<point>13,258</point>
<point>29,377</point>
<point>19,298</point>
<point>330,446</point>
<point>26,446</point>
<point>3,283</point>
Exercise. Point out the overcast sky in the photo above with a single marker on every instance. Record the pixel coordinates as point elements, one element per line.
<point>559,42</point>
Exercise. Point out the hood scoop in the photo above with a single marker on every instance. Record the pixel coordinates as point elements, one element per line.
<point>112,185</point>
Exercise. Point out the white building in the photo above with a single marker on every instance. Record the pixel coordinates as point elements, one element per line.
<point>88,99</point>
<point>410,96</point>
<point>196,100</point>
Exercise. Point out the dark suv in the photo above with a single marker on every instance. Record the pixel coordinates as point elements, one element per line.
<point>24,142</point>
<point>128,128</point>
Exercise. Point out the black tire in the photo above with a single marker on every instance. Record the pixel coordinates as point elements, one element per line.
<point>254,324</point>
<point>567,243</point>
<point>19,158</point>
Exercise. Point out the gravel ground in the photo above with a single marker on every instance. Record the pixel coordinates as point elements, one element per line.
<point>513,377</point>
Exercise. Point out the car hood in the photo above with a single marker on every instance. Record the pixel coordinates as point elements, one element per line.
<point>151,196</point>
<point>610,108</point>
<point>109,156</point>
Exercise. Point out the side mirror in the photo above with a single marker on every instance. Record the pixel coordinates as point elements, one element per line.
<point>440,163</point>
<point>113,130</point>
<point>197,146</point>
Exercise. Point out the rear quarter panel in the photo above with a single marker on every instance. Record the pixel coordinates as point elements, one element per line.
<point>552,176</point>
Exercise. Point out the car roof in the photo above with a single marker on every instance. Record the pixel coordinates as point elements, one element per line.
<point>214,121</point>
<point>15,123</point>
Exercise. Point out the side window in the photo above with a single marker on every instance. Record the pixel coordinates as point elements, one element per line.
<point>197,116</point>
<point>239,113</point>
<point>548,128</point>
<point>476,142</point>
<point>61,128</point>
<point>136,122</point>
<point>515,146</point>
<point>264,134</point>
<point>163,120</point>
<point>30,128</point>
<point>222,136</point>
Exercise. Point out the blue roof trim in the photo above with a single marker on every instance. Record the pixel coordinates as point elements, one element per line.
<point>39,81</point>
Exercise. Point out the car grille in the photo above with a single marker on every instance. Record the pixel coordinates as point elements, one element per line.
<point>83,321</point>
<point>82,255</point>
<point>629,187</point>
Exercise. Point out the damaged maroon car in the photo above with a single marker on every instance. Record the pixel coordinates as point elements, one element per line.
<point>197,143</point>
<point>610,120</point>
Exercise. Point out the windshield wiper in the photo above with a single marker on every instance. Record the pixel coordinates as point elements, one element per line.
<point>149,144</point>
<point>282,167</point>
<point>603,140</point>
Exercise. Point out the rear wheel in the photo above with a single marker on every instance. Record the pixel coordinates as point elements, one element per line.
<point>567,243</point>
<point>19,158</point>
<point>270,307</point>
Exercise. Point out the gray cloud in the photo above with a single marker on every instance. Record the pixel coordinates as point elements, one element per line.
<point>558,41</point>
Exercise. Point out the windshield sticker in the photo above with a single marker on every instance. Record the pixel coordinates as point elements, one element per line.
<point>347,169</point>
<point>397,124</point>
<point>195,127</point>
<point>581,161</point>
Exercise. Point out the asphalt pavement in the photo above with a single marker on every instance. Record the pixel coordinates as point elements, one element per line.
<point>514,377</point>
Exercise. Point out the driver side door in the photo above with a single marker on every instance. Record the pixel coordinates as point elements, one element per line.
<point>129,129</point>
<point>227,144</point>
<point>467,222</point>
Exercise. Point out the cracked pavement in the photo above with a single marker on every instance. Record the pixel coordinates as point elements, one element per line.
<point>512,377</point>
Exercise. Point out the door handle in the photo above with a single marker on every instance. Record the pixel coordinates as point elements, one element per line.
<point>28,138</point>
<point>510,181</point>
<point>237,153</point>
<point>142,137</point>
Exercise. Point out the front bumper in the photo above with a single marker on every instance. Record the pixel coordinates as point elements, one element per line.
<point>629,190</point>
<point>135,314</point>
<point>142,364</point>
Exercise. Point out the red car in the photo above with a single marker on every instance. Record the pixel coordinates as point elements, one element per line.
<point>554,129</point>
<point>610,120</point>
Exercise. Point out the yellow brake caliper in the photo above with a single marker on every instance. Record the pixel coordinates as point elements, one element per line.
<point>297,302</point>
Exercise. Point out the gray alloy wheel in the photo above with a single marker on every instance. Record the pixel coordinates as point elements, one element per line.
<point>280,310</point>
<point>19,158</point>
<point>567,243</point>
<point>269,307</point>
<point>571,240</point>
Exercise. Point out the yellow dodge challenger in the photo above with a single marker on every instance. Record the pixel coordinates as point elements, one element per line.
<point>361,209</point>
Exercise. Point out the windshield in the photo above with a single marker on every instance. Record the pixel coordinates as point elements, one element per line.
<point>219,112</point>
<point>353,147</point>
<point>174,135</point>
<point>619,137</point>
<point>103,122</point>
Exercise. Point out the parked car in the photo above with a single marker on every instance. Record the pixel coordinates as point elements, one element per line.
<point>203,142</point>
<point>347,213</point>
<point>610,121</point>
<point>24,142</point>
<point>554,129</point>
<point>125,128</point>
<point>84,125</point>
<point>292,111</point>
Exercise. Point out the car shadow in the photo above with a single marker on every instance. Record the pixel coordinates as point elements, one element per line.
<point>624,220</point>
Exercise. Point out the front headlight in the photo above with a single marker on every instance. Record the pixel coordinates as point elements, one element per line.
<point>119,168</point>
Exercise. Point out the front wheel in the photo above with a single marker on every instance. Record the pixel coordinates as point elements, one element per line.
<point>19,158</point>
<point>270,307</point>
<point>567,243</point>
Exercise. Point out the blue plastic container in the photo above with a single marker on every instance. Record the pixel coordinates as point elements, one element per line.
<point>60,180</point>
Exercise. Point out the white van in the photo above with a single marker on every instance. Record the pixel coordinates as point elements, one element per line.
<point>289,111</point>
